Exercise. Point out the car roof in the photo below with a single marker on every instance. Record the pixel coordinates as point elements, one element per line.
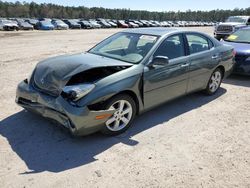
<point>159,31</point>
<point>152,31</point>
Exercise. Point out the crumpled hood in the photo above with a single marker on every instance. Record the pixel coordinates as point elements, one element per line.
<point>52,74</point>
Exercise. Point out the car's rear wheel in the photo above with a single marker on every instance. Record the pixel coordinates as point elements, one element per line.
<point>121,120</point>
<point>214,82</point>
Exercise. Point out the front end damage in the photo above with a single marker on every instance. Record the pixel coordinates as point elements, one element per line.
<point>78,120</point>
<point>58,85</point>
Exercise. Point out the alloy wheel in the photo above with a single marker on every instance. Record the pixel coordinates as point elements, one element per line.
<point>121,117</point>
<point>215,81</point>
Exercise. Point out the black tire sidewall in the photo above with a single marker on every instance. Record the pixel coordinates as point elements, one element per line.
<point>109,103</point>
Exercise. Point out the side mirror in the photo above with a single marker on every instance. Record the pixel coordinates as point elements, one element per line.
<point>160,60</point>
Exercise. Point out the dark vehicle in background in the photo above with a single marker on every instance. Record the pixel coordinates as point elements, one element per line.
<point>123,76</point>
<point>131,24</point>
<point>156,23</point>
<point>59,24</point>
<point>145,23</point>
<point>114,25</point>
<point>33,22</point>
<point>24,25</point>
<point>137,22</point>
<point>232,24</point>
<point>45,25</point>
<point>103,23</point>
<point>72,24</point>
<point>95,24</point>
<point>152,24</point>
<point>8,25</point>
<point>85,24</point>
<point>122,24</point>
<point>240,40</point>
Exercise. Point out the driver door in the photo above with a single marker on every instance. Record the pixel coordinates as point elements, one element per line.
<point>163,83</point>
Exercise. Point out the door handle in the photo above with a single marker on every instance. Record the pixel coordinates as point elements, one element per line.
<point>215,57</point>
<point>184,65</point>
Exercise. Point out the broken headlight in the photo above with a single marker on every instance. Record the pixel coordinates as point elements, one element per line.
<point>76,92</point>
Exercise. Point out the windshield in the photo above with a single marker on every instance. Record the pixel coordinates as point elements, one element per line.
<point>241,36</point>
<point>236,19</point>
<point>128,47</point>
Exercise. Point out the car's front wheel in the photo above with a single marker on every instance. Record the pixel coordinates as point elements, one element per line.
<point>214,82</point>
<point>121,120</point>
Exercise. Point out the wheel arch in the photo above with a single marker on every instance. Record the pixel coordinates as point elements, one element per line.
<point>133,96</point>
<point>222,68</point>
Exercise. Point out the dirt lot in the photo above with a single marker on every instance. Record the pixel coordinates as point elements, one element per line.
<point>195,141</point>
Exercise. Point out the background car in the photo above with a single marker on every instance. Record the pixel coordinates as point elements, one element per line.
<point>24,25</point>
<point>232,24</point>
<point>95,24</point>
<point>72,24</point>
<point>59,24</point>
<point>131,24</point>
<point>85,24</point>
<point>240,40</point>
<point>103,23</point>
<point>8,25</point>
<point>45,25</point>
<point>122,24</point>
<point>33,22</point>
<point>114,25</point>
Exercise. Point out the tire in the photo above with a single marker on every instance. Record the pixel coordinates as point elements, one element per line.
<point>214,82</point>
<point>121,119</point>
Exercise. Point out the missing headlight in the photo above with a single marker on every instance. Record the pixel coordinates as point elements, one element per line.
<point>76,92</point>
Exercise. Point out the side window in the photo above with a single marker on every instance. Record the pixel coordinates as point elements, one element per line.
<point>197,43</point>
<point>172,47</point>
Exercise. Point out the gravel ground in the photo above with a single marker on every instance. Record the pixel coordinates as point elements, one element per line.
<point>195,141</point>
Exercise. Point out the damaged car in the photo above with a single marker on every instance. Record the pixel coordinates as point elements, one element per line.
<point>8,25</point>
<point>128,73</point>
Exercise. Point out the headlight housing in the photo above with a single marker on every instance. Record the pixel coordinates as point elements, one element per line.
<point>76,92</point>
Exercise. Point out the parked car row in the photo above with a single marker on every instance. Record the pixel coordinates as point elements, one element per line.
<point>51,24</point>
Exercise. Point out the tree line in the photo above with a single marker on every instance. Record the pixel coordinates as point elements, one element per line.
<point>34,10</point>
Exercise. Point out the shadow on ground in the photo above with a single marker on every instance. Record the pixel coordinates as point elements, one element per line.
<point>238,80</point>
<point>46,147</point>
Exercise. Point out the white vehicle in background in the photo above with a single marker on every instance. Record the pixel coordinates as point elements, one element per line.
<point>8,25</point>
<point>232,24</point>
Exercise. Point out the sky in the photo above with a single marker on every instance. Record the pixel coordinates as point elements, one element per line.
<point>152,5</point>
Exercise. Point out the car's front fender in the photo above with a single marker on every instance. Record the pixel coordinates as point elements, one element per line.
<point>105,92</point>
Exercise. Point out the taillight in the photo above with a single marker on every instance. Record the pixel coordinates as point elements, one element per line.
<point>234,53</point>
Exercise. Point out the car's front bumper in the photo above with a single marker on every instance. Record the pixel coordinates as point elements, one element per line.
<point>79,120</point>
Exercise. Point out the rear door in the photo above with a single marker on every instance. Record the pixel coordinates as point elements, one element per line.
<point>202,58</point>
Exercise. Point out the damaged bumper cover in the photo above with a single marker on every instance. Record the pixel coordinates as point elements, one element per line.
<point>79,120</point>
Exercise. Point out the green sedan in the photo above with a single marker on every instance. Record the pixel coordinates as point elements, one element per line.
<point>123,76</point>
